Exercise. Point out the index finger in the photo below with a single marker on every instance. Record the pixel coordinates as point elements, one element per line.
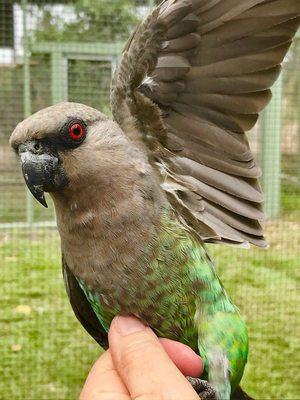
<point>143,365</point>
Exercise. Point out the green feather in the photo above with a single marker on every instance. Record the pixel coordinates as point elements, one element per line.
<point>181,297</point>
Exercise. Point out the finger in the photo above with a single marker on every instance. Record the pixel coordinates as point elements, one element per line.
<point>143,365</point>
<point>103,382</point>
<point>185,359</point>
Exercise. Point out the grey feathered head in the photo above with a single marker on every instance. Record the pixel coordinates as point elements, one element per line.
<point>63,144</point>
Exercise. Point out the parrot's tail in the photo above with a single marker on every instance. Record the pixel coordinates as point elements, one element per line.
<point>239,394</point>
<point>218,375</point>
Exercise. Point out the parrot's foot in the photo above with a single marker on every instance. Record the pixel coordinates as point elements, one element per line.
<point>203,388</point>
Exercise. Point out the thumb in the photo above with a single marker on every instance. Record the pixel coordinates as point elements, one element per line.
<point>142,363</point>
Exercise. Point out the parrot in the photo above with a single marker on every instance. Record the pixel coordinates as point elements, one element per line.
<point>139,194</point>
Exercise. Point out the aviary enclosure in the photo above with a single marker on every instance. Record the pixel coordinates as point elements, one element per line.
<point>52,51</point>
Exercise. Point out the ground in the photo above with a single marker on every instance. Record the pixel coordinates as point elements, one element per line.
<point>45,354</point>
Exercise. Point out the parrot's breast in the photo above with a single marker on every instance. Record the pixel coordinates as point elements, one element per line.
<point>158,288</point>
<point>174,288</point>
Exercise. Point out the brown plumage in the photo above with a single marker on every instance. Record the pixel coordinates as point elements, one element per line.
<point>208,67</point>
<point>191,81</point>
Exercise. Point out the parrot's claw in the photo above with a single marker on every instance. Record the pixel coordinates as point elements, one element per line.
<point>203,389</point>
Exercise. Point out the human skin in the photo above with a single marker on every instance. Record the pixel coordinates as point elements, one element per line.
<point>140,366</point>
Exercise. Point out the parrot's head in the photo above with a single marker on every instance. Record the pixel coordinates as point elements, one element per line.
<point>65,144</point>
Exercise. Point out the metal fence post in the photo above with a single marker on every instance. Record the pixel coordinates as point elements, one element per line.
<point>26,97</point>
<point>271,151</point>
<point>59,77</point>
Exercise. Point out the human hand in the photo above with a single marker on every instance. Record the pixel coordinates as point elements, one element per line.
<point>140,366</point>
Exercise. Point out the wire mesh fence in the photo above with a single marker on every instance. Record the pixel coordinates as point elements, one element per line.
<point>52,51</point>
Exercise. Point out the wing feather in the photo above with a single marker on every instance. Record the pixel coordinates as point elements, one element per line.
<point>192,81</point>
<point>82,308</point>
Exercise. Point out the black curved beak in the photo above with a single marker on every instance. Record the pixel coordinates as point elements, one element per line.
<point>37,171</point>
<point>41,170</point>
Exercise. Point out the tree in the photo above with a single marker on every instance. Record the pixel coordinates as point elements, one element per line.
<point>89,21</point>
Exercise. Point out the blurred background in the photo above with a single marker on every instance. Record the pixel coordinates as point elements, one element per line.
<point>52,51</point>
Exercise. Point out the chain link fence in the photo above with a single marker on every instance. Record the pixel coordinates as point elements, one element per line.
<point>66,50</point>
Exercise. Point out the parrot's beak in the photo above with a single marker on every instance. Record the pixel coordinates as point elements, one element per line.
<point>42,171</point>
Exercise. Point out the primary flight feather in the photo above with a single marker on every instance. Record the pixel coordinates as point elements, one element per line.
<point>137,196</point>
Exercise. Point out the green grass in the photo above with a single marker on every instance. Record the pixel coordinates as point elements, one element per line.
<point>265,285</point>
<point>290,187</point>
<point>56,353</point>
<point>290,200</point>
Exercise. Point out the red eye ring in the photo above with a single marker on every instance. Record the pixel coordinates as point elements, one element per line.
<point>76,132</point>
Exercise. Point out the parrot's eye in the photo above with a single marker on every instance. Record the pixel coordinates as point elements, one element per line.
<point>76,132</point>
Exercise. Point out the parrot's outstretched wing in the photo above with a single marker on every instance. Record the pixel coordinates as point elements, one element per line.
<point>82,308</point>
<point>192,79</point>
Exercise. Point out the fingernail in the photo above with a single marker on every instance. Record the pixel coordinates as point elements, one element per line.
<point>127,325</point>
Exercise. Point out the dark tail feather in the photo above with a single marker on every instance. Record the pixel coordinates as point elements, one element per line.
<point>239,394</point>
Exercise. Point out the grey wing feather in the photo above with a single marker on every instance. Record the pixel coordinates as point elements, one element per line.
<point>82,308</point>
<point>192,80</point>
